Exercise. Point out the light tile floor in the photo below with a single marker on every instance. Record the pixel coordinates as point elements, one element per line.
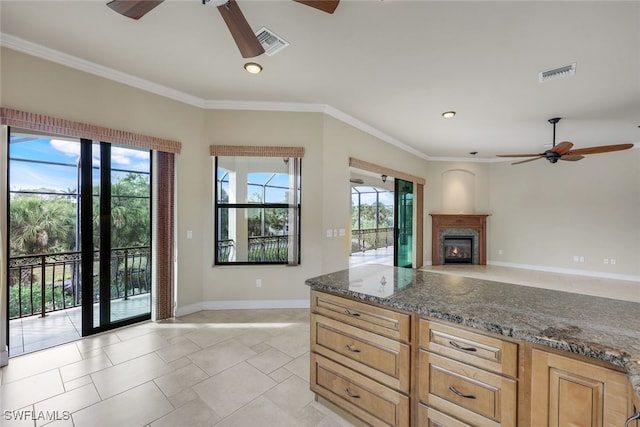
<point>382,256</point>
<point>211,368</point>
<point>33,333</point>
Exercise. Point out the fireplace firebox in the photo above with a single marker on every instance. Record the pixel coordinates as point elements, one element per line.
<point>458,250</point>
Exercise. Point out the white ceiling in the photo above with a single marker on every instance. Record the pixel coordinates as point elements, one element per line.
<point>393,65</point>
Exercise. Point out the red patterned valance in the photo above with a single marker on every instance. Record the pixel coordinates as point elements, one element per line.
<point>255,151</point>
<point>62,127</point>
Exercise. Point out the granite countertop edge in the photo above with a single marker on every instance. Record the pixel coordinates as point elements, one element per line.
<point>615,356</point>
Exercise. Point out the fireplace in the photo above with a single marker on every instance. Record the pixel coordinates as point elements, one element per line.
<point>458,250</point>
<point>457,226</point>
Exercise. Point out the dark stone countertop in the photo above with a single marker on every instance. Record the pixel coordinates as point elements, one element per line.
<point>596,327</point>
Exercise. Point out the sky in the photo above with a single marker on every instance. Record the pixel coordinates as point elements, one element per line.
<point>25,175</point>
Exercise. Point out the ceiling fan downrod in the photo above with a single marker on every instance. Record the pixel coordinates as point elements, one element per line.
<point>553,121</point>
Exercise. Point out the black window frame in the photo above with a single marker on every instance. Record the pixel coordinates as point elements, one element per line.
<point>218,206</point>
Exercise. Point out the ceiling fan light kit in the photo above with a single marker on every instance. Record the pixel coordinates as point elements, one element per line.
<point>563,150</point>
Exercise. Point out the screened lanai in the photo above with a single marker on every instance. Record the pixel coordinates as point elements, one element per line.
<point>372,222</point>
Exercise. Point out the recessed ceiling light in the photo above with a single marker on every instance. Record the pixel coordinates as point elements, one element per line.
<point>253,67</point>
<point>448,114</point>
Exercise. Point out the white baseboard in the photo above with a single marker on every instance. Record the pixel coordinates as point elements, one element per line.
<point>588,273</point>
<point>242,305</point>
<point>187,309</point>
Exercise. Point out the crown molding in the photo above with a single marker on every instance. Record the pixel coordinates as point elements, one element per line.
<point>58,57</point>
<point>264,106</point>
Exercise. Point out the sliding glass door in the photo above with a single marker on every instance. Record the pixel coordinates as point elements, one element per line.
<point>79,238</point>
<point>117,260</point>
<point>403,254</point>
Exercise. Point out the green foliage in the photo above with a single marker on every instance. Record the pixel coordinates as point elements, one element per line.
<point>44,223</point>
<point>130,211</point>
<point>41,223</point>
<point>369,214</point>
<point>32,303</point>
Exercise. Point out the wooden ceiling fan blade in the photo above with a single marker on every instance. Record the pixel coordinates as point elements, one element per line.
<point>601,149</point>
<point>528,160</point>
<point>240,30</point>
<point>134,9</point>
<point>562,148</point>
<point>571,157</point>
<point>328,6</point>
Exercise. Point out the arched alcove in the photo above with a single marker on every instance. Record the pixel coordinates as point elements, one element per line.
<point>458,191</point>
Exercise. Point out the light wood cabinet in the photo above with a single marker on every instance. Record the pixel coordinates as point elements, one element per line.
<point>633,408</point>
<point>361,359</point>
<point>389,368</point>
<point>429,417</point>
<point>462,377</point>
<point>372,402</point>
<point>381,321</point>
<point>481,350</point>
<point>570,392</point>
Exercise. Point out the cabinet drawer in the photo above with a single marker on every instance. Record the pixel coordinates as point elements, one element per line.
<point>380,358</point>
<point>466,392</point>
<point>429,417</point>
<point>366,399</point>
<point>381,321</point>
<point>484,351</point>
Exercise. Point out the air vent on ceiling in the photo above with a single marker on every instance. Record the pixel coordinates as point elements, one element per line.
<point>558,73</point>
<point>270,41</point>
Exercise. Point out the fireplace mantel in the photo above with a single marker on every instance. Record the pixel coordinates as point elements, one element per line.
<point>441,222</point>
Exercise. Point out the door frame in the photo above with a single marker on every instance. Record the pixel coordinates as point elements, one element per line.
<point>418,207</point>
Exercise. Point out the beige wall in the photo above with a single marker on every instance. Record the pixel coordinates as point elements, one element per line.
<point>545,214</point>
<point>39,86</point>
<point>541,214</point>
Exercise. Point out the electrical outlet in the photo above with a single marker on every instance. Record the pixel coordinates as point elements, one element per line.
<point>258,283</point>
<point>606,260</point>
<point>581,259</point>
<point>329,232</point>
<point>613,261</point>
<point>576,258</point>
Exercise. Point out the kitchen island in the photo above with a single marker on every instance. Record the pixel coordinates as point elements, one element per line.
<point>604,330</point>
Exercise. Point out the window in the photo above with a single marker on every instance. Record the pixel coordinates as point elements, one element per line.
<point>257,210</point>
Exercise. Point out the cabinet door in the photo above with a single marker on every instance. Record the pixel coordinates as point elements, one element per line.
<point>569,392</point>
<point>634,407</point>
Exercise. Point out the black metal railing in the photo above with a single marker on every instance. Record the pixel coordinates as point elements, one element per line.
<point>260,249</point>
<point>372,238</point>
<point>43,283</point>
<point>268,249</point>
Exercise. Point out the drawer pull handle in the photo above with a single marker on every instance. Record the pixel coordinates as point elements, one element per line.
<point>351,313</point>
<point>633,417</point>
<point>459,347</point>
<point>355,396</point>
<point>453,390</point>
<point>352,349</point>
